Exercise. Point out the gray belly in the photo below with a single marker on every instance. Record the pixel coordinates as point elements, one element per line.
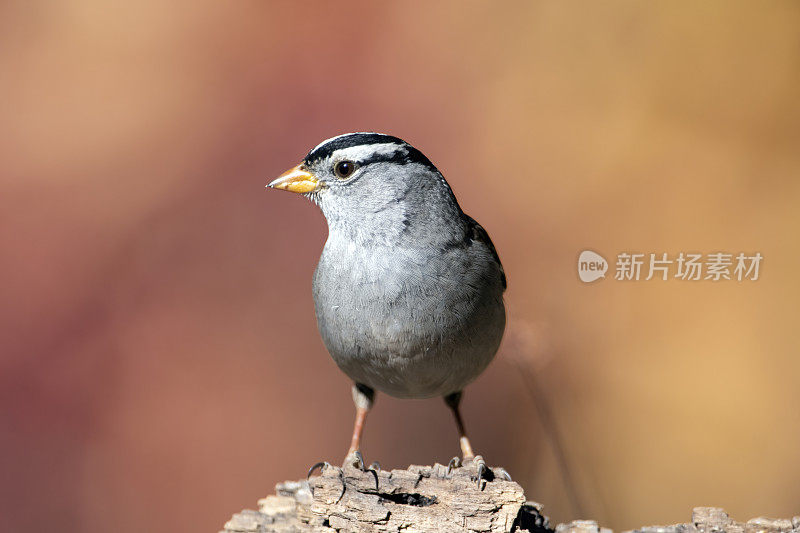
<point>407,329</point>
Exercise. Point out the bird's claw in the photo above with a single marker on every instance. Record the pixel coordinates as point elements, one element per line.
<point>455,462</point>
<point>503,473</point>
<point>483,473</point>
<point>321,464</point>
<point>481,470</point>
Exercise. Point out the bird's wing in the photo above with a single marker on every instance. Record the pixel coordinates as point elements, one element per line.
<point>475,232</point>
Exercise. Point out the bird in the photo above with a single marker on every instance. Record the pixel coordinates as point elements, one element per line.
<point>408,291</point>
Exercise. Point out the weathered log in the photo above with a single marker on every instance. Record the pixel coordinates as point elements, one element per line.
<point>431,499</point>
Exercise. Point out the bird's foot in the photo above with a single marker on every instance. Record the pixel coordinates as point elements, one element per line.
<point>481,471</point>
<point>356,460</point>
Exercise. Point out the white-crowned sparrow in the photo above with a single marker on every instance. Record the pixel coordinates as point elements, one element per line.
<point>409,290</point>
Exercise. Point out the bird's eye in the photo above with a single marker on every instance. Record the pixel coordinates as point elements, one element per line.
<point>344,169</point>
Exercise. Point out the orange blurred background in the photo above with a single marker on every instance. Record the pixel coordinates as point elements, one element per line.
<point>160,366</point>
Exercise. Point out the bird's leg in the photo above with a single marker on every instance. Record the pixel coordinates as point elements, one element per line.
<point>453,401</point>
<point>363,397</point>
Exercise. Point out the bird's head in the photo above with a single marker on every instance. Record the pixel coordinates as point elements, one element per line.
<point>364,180</point>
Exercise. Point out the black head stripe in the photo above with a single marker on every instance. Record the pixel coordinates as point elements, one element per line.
<point>400,157</point>
<point>409,155</point>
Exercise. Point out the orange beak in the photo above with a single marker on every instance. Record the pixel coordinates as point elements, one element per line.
<point>296,179</point>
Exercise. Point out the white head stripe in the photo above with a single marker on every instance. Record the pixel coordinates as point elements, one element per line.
<point>326,141</point>
<point>365,151</point>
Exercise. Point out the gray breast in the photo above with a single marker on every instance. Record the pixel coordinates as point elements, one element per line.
<point>408,323</point>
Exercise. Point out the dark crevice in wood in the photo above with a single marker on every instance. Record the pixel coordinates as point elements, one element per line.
<point>404,498</point>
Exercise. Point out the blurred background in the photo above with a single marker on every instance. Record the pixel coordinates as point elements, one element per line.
<point>160,366</point>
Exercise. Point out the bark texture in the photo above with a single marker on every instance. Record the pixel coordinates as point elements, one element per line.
<point>429,499</point>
